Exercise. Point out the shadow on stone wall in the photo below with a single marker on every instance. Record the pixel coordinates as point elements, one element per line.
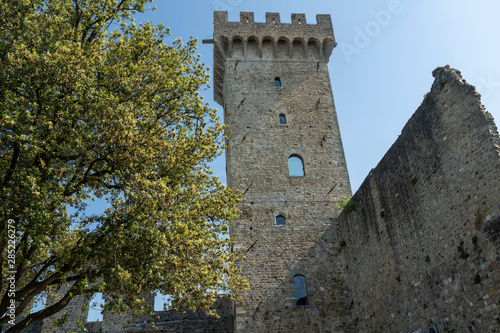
<point>422,244</point>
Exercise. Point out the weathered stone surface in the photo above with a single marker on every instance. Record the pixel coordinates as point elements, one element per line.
<point>433,255</point>
<point>188,322</point>
<point>74,312</point>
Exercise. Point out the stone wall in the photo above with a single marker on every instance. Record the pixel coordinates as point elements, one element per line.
<point>189,321</point>
<point>74,312</point>
<point>94,326</point>
<point>161,321</point>
<point>422,243</point>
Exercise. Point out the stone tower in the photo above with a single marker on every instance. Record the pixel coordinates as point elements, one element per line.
<point>284,154</point>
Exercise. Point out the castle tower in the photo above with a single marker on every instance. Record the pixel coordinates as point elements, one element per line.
<point>285,154</point>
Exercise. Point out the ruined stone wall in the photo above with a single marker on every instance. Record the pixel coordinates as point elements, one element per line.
<point>252,56</point>
<point>422,245</point>
<point>191,322</point>
<point>74,312</point>
<point>161,321</point>
<point>188,322</point>
<point>94,326</point>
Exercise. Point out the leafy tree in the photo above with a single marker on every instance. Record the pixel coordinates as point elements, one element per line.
<point>93,106</point>
<point>345,204</point>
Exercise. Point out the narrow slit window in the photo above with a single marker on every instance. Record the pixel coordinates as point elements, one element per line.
<point>296,166</point>
<point>299,283</point>
<point>282,119</point>
<point>277,82</point>
<point>280,220</point>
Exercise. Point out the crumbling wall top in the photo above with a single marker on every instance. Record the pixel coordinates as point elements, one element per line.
<point>446,73</point>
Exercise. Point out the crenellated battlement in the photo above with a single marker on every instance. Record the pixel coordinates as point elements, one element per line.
<point>269,41</point>
<point>236,39</point>
<point>273,18</point>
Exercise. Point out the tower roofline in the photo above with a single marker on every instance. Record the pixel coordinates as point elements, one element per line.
<point>273,27</point>
<point>315,41</point>
<point>274,18</point>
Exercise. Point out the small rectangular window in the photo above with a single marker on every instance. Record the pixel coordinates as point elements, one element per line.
<point>299,283</point>
<point>282,119</point>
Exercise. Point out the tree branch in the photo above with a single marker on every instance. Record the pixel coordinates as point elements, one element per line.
<point>33,291</point>
<point>13,163</point>
<point>47,312</point>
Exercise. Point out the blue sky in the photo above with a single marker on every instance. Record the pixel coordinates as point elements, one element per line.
<point>382,66</point>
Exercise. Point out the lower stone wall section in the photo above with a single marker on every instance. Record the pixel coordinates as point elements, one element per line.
<point>161,321</point>
<point>188,326</point>
<point>94,326</point>
<point>74,313</point>
<point>189,321</point>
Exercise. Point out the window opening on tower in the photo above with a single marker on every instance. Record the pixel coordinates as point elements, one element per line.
<point>280,220</point>
<point>296,165</point>
<point>282,119</point>
<point>299,283</point>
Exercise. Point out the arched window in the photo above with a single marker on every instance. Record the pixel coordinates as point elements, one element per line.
<point>282,119</point>
<point>299,283</point>
<point>96,306</point>
<point>162,302</point>
<point>277,82</point>
<point>295,165</point>
<point>280,220</point>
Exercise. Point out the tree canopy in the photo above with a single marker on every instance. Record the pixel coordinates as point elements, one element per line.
<point>94,106</point>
